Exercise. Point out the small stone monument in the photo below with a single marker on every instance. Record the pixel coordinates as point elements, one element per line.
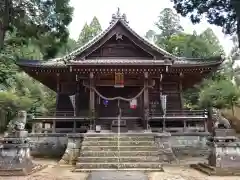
<point>224,158</point>
<point>15,156</point>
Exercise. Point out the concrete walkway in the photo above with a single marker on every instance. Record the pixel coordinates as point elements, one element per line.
<point>117,175</point>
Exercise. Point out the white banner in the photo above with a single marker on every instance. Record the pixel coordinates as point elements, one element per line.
<point>133,104</point>
<point>163,99</point>
<point>73,101</point>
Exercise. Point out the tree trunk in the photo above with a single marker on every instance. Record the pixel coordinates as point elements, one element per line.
<point>2,36</point>
<point>232,107</point>
<point>4,21</point>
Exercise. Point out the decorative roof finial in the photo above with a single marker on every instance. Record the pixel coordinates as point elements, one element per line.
<point>119,16</point>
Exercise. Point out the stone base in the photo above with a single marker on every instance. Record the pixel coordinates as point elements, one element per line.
<point>21,171</point>
<point>73,149</point>
<point>216,171</point>
<point>15,156</point>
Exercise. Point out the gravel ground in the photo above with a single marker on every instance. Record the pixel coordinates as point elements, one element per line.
<point>54,172</point>
<point>184,173</point>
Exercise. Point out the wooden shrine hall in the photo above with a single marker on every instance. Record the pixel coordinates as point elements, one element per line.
<point>121,75</point>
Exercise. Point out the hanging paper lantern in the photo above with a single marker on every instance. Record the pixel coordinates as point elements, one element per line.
<point>105,102</point>
<point>133,104</point>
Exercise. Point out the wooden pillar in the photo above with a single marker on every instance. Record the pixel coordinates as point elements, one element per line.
<point>58,90</point>
<point>146,100</point>
<point>77,96</point>
<point>92,100</point>
<point>74,126</point>
<point>54,126</point>
<point>206,114</point>
<point>181,90</point>
<point>161,93</point>
<point>184,125</point>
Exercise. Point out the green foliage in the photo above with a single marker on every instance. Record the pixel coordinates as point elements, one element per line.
<point>168,24</point>
<point>11,102</point>
<point>67,48</point>
<point>44,22</point>
<point>224,13</point>
<point>220,94</point>
<point>89,31</point>
<point>95,27</point>
<point>170,37</point>
<point>195,46</point>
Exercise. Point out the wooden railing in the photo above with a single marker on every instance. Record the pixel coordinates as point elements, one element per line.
<point>184,116</point>
<point>198,117</point>
<point>54,114</point>
<point>180,114</point>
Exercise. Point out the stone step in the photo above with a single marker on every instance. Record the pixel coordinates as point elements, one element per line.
<point>115,153</point>
<point>115,143</point>
<point>121,159</point>
<point>118,165</point>
<point>120,148</point>
<point>122,169</point>
<point>121,138</point>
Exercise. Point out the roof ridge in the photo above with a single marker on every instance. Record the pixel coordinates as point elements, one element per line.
<point>83,47</point>
<point>104,32</point>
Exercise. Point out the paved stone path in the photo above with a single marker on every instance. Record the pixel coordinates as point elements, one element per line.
<point>117,175</point>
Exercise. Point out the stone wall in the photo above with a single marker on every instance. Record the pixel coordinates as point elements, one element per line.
<point>190,144</point>
<point>48,145</point>
<point>183,144</point>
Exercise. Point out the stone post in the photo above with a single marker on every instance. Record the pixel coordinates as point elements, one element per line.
<point>15,156</point>
<point>164,147</point>
<point>225,150</point>
<point>73,149</point>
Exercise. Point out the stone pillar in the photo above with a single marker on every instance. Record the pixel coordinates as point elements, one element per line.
<point>225,148</point>
<point>164,147</point>
<point>73,149</point>
<point>15,156</point>
<point>146,100</point>
<point>92,101</point>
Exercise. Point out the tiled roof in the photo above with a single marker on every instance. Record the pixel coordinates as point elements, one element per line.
<point>38,63</point>
<point>120,62</point>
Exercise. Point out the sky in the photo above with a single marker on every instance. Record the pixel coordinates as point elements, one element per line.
<point>140,14</point>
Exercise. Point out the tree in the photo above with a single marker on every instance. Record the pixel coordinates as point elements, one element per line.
<point>224,13</point>
<point>85,35</point>
<point>195,46</point>
<point>95,27</point>
<point>45,22</point>
<point>68,47</point>
<point>89,31</point>
<point>220,94</point>
<point>213,43</point>
<point>168,24</point>
<point>151,35</point>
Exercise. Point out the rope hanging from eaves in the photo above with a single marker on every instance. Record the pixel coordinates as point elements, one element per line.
<point>118,97</point>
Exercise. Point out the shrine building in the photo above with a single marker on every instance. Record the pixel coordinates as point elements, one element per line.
<point>121,75</point>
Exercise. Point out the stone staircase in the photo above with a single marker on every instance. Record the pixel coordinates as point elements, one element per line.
<point>124,152</point>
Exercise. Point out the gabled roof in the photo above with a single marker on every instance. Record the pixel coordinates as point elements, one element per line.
<point>69,59</point>
<point>118,19</point>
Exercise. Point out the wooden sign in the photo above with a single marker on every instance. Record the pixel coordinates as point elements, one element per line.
<point>119,80</point>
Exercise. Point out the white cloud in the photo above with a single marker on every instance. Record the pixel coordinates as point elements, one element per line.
<point>140,14</point>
